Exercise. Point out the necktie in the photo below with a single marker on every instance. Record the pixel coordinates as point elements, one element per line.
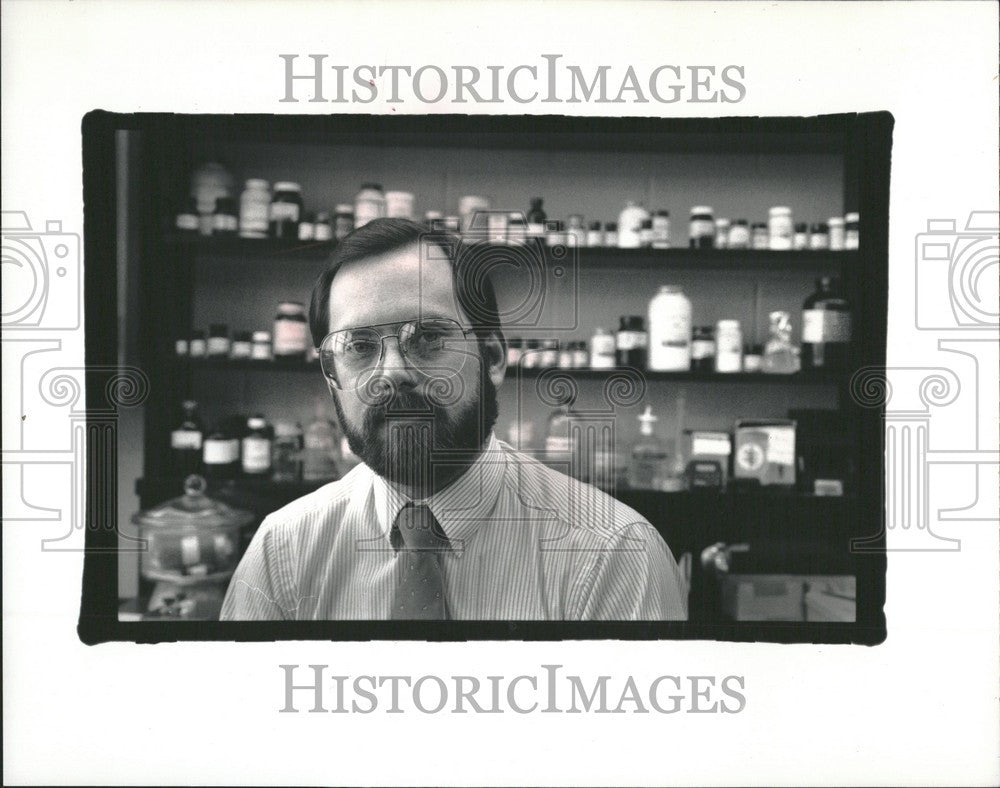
<point>420,594</point>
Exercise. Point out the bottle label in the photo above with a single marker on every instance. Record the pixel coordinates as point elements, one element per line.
<point>185,439</point>
<point>290,337</point>
<point>825,325</point>
<point>253,216</point>
<point>221,452</point>
<point>218,346</point>
<point>631,340</point>
<point>256,454</point>
<point>187,221</point>
<point>284,212</point>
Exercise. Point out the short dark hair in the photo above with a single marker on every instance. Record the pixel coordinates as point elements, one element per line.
<point>470,272</point>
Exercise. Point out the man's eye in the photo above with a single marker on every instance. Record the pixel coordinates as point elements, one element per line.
<point>359,347</point>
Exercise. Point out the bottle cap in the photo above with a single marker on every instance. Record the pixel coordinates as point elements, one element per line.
<point>343,207</point>
<point>780,210</point>
<point>701,209</point>
<point>852,217</point>
<point>257,183</point>
<point>287,186</point>
<point>835,221</point>
<point>728,325</point>
<point>376,186</point>
<point>261,336</point>
<point>256,422</point>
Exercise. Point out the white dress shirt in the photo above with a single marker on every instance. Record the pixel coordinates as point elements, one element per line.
<point>528,543</point>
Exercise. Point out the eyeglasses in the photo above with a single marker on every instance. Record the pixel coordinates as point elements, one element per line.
<point>436,347</point>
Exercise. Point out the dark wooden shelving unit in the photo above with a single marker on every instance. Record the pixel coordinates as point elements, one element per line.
<point>813,533</point>
<point>812,378</point>
<point>208,247</point>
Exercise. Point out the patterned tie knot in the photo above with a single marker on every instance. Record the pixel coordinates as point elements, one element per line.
<point>420,530</point>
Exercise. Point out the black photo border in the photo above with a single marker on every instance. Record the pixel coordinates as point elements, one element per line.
<point>868,141</point>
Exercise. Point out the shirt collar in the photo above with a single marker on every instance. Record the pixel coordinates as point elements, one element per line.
<point>461,507</point>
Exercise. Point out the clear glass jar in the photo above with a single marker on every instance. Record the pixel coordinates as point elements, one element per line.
<point>780,228</point>
<point>192,539</point>
<point>781,357</point>
<point>291,331</point>
<point>701,231</point>
<point>287,452</point>
<point>729,346</point>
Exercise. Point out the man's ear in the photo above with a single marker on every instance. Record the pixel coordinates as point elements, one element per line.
<point>495,356</point>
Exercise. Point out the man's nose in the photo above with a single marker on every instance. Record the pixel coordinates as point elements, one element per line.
<point>394,366</point>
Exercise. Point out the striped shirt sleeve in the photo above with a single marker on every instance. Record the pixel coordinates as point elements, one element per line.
<point>636,579</point>
<point>255,589</point>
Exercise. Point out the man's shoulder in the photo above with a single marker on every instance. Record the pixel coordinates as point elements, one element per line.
<point>325,504</point>
<point>586,509</point>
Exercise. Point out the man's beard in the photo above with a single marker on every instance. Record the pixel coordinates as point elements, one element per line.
<point>411,440</point>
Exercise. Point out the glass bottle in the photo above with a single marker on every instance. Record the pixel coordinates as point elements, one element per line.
<point>320,441</point>
<point>826,327</point>
<point>287,453</point>
<point>560,443</point>
<point>649,467</point>
<point>536,218</point>
<point>255,453</point>
<point>186,440</point>
<point>221,453</point>
<point>781,357</point>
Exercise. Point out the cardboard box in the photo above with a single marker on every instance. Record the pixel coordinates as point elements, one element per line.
<point>788,597</point>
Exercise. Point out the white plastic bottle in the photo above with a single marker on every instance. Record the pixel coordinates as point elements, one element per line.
<point>629,224</point>
<point>670,330</point>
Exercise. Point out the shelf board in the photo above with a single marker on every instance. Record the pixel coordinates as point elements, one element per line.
<point>255,248</point>
<point>800,378</point>
<point>590,257</point>
<point>265,486</point>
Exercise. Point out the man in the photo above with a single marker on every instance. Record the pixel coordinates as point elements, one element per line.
<point>442,520</point>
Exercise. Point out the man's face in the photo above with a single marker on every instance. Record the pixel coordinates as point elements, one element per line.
<point>413,426</point>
